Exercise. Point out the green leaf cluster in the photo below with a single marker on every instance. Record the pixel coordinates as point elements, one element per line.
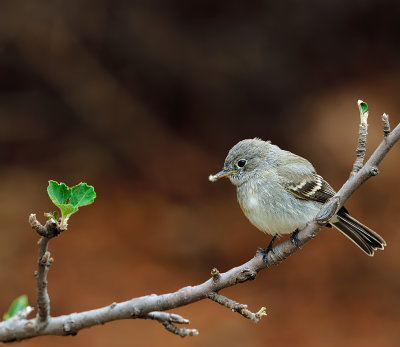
<point>17,305</point>
<point>68,200</point>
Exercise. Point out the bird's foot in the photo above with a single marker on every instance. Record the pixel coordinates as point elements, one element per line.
<point>295,239</point>
<point>268,249</point>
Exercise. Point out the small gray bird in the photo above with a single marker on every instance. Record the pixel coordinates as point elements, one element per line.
<point>280,192</point>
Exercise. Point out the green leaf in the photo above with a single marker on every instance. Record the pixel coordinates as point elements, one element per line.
<point>17,305</point>
<point>59,193</point>
<point>82,195</point>
<point>362,106</point>
<point>69,199</point>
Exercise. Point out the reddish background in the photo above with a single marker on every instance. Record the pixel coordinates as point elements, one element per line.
<point>143,100</point>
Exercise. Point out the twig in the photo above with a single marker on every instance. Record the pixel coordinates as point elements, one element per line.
<point>362,140</point>
<point>179,331</point>
<point>237,307</point>
<point>43,300</point>
<point>35,224</point>
<point>167,319</point>
<point>20,329</point>
<point>385,124</point>
<point>48,231</point>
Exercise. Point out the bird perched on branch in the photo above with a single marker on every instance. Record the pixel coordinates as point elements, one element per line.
<point>280,192</point>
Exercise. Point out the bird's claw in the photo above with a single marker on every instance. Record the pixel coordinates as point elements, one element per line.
<point>294,239</point>
<point>269,249</point>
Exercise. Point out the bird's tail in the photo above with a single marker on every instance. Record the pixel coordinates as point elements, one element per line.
<point>365,238</point>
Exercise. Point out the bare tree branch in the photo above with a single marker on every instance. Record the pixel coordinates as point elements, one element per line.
<point>148,307</point>
<point>237,307</point>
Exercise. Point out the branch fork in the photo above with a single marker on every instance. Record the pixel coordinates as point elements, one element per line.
<point>49,230</point>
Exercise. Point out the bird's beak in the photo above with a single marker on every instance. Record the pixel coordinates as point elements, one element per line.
<point>221,174</point>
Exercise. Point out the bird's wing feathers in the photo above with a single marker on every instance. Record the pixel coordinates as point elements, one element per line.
<point>313,187</point>
<point>305,183</point>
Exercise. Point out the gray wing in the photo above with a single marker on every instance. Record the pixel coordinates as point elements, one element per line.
<point>312,187</point>
<point>299,178</point>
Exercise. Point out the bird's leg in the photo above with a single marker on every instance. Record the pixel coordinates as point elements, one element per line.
<point>295,239</point>
<point>268,249</point>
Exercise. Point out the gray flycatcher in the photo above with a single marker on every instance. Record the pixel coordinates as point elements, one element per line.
<point>280,192</point>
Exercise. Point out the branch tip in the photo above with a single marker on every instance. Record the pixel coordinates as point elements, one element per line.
<point>362,138</point>
<point>35,224</point>
<point>262,312</point>
<point>183,332</point>
<point>386,125</point>
<point>236,307</point>
<point>167,320</point>
<point>363,108</point>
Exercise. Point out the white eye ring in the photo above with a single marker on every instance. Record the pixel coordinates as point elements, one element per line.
<point>241,162</point>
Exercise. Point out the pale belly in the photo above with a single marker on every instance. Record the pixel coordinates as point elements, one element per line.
<point>274,215</point>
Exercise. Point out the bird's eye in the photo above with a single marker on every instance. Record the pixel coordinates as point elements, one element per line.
<point>241,162</point>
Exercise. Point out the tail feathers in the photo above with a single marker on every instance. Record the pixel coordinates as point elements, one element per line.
<point>365,238</point>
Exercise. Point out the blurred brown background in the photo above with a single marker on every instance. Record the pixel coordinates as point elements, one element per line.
<point>143,99</point>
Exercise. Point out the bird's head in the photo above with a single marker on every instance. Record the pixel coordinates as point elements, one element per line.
<point>244,160</point>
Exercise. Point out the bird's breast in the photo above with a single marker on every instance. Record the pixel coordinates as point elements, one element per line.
<point>272,209</point>
<point>252,202</point>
